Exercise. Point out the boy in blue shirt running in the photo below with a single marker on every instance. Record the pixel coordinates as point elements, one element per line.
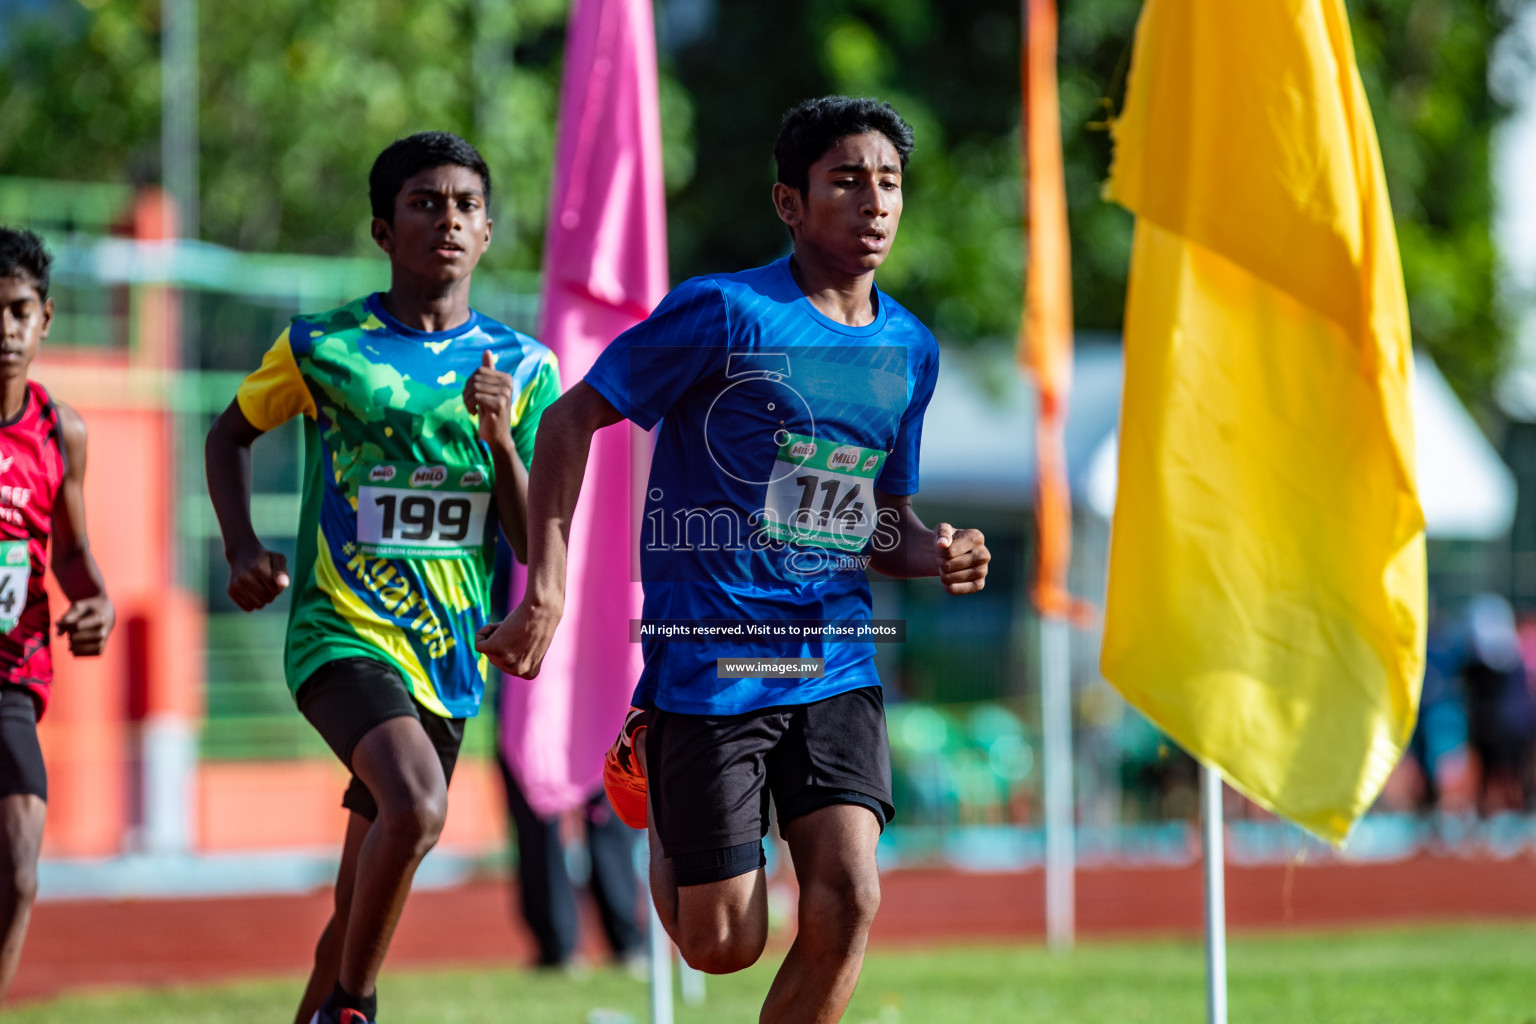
<point>790,400</point>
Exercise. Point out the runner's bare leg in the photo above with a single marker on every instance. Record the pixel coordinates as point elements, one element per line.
<point>834,856</point>
<point>719,927</point>
<point>21,837</point>
<point>322,977</point>
<point>400,767</point>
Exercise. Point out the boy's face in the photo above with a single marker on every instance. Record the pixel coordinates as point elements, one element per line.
<point>24,321</point>
<point>441,226</point>
<point>852,205</point>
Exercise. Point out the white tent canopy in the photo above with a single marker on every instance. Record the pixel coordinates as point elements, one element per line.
<point>979,443</point>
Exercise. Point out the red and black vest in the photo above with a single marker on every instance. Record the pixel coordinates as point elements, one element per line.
<point>32,465</point>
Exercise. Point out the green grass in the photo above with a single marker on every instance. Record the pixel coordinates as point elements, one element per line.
<point>1470,974</point>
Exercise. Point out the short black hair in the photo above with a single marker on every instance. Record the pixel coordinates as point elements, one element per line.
<point>815,126</point>
<point>404,158</point>
<point>22,252</point>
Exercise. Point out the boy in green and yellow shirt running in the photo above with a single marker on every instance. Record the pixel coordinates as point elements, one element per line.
<point>420,416</point>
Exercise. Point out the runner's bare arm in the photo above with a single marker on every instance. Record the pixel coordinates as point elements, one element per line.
<point>517,644</point>
<point>488,394</point>
<point>90,615</point>
<point>904,548</point>
<point>256,576</point>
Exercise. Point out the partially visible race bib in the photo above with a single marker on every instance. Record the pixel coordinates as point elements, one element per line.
<point>822,493</point>
<point>15,575</point>
<point>405,510</point>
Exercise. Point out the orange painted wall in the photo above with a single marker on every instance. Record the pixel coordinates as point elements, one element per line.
<point>154,660</point>
<point>256,805</point>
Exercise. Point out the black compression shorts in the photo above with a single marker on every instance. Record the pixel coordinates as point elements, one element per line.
<point>344,699</point>
<point>709,777</point>
<point>21,758</point>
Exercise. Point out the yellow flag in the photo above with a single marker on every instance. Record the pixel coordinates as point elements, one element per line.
<point>1266,598</point>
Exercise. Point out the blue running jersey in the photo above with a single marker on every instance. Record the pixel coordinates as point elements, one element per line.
<point>777,426</point>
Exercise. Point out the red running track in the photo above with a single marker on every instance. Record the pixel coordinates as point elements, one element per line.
<point>74,945</point>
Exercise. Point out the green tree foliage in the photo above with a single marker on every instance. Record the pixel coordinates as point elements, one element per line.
<point>1425,68</point>
<point>297,98</point>
<point>953,71</point>
<point>80,91</point>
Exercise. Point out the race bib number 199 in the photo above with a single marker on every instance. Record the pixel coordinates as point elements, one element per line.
<point>410,511</point>
<point>15,575</point>
<point>823,493</point>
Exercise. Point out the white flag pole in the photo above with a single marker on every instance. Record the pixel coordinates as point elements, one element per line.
<point>661,972</point>
<point>1056,720</point>
<point>1212,834</point>
<point>691,982</point>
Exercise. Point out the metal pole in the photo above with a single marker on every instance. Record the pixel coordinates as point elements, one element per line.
<point>1056,716</point>
<point>178,110</point>
<point>169,740</point>
<point>482,56</point>
<point>1215,897</point>
<point>691,982</point>
<point>492,60</point>
<point>661,972</point>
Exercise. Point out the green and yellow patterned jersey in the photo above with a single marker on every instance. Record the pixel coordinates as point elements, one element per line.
<point>398,523</point>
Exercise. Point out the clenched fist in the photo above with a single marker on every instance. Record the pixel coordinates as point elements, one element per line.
<point>256,577</point>
<point>87,624</point>
<point>963,558</point>
<point>518,643</point>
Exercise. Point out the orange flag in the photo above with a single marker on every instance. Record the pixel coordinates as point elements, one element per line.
<point>1045,340</point>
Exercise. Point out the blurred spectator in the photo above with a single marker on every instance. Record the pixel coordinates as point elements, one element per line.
<point>1159,781</point>
<point>1502,717</point>
<point>547,896</point>
<point>1527,634</point>
<point>548,899</point>
<point>1440,735</point>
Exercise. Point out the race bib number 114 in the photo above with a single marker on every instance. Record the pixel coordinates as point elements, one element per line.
<point>413,511</point>
<point>822,493</point>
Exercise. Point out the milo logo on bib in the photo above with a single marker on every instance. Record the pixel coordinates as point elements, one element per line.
<point>429,476</point>
<point>845,457</point>
<point>822,494</point>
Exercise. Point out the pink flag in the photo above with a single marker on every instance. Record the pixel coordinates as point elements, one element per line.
<point>605,268</point>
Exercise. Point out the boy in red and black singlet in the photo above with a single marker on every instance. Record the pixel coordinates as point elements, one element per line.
<point>32,468</point>
<point>42,469</point>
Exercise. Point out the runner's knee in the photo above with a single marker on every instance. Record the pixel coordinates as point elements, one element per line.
<point>721,949</point>
<point>428,813</point>
<point>22,882</point>
<point>842,908</point>
<point>416,814</point>
<point>19,844</point>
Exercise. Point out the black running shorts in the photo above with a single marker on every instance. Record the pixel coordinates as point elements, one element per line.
<point>21,758</point>
<point>344,699</point>
<point>709,777</point>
